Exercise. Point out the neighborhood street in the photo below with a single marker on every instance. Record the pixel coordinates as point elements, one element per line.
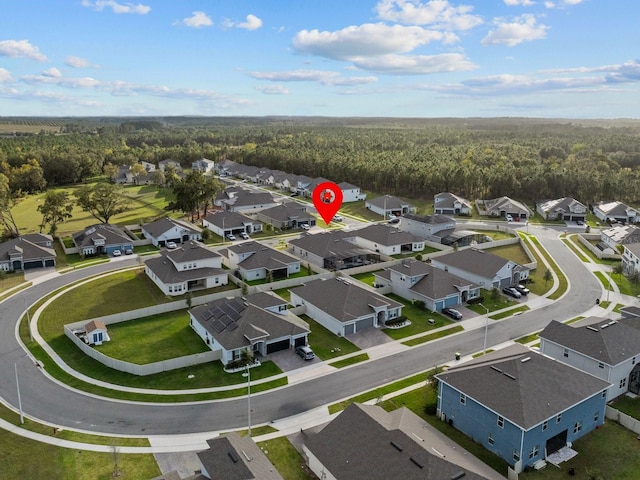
<point>45,399</point>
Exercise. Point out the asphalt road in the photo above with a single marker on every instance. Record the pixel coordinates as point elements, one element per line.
<point>51,402</point>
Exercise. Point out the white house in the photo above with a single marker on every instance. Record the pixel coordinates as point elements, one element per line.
<point>185,269</point>
<point>620,235</point>
<point>605,348</point>
<point>502,206</point>
<point>387,205</point>
<point>163,164</point>
<point>631,258</point>
<point>170,230</point>
<point>344,307</point>
<point>386,239</point>
<point>224,223</point>
<point>566,208</point>
<point>96,333</point>
<point>617,211</point>
<point>203,165</point>
<point>446,203</point>
<point>351,193</point>
<point>431,227</point>
<point>255,261</point>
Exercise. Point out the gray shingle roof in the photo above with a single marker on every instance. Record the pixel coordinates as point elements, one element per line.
<point>190,251</point>
<point>347,186</point>
<point>613,344</point>
<point>435,283</point>
<point>473,260</point>
<point>561,205</point>
<point>262,256</point>
<point>166,271</point>
<point>228,219</point>
<point>111,234</point>
<point>343,300</point>
<point>29,250</point>
<point>385,235</point>
<point>526,392</point>
<point>448,200</point>
<point>265,300</point>
<point>246,199</point>
<point>163,225</point>
<point>389,202</point>
<point>287,212</point>
<point>329,244</point>
<point>434,219</point>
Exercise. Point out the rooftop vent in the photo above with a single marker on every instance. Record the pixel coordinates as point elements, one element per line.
<point>417,462</point>
<point>396,446</point>
<point>458,475</point>
<point>526,359</point>
<point>233,456</point>
<point>593,329</point>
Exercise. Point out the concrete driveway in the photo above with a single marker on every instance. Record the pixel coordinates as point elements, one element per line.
<point>287,360</point>
<point>369,338</point>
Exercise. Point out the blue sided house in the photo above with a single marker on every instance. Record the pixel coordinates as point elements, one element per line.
<point>521,405</point>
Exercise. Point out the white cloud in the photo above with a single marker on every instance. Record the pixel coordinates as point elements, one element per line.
<point>77,62</point>
<point>251,23</point>
<point>68,82</point>
<point>350,81</point>
<point>198,19</point>
<point>5,76</point>
<point>516,3</point>
<point>437,13</point>
<point>52,72</point>
<point>273,89</point>
<point>523,29</point>
<point>21,48</point>
<point>116,7</point>
<point>562,3</point>
<point>295,76</point>
<point>415,64</point>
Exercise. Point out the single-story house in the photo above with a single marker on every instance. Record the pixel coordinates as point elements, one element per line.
<point>343,307</point>
<point>246,202</point>
<point>224,167</point>
<point>521,405</point>
<point>330,250</point>
<point>386,239</point>
<point>482,268</point>
<point>631,258</point>
<point>366,442</point>
<point>566,208</point>
<point>163,164</point>
<point>419,281</point>
<point>170,230</point>
<point>431,227</point>
<point>102,238</point>
<point>255,261</point>
<point>33,250</point>
<point>96,333</point>
<point>620,235</point>
<point>446,203</point>
<point>616,211</point>
<point>204,165</point>
<point>605,348</point>
<point>313,184</point>
<point>190,267</point>
<point>223,223</point>
<point>503,206</point>
<point>351,193</point>
<point>388,204</point>
<point>231,325</point>
<point>286,216</point>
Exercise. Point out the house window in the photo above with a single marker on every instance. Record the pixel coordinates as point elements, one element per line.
<point>463,399</point>
<point>600,365</point>
<point>534,451</point>
<point>559,418</point>
<point>545,424</point>
<point>633,361</point>
<point>623,382</point>
<point>565,352</point>
<point>491,440</point>
<point>516,455</point>
<point>596,416</point>
<point>577,427</point>
<point>500,421</point>
<point>604,394</point>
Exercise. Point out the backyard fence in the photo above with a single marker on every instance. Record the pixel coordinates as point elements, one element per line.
<point>623,419</point>
<point>586,239</point>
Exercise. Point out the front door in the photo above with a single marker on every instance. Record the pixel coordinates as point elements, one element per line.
<point>634,380</point>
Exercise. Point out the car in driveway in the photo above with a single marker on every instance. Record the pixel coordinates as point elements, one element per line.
<point>522,289</point>
<point>305,226</point>
<point>338,218</point>
<point>512,292</point>
<point>116,253</point>
<point>244,235</point>
<point>171,245</point>
<point>305,352</point>
<point>231,236</point>
<point>453,313</point>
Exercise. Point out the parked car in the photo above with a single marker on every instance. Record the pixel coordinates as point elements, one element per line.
<point>453,313</point>
<point>394,220</point>
<point>508,217</point>
<point>295,194</point>
<point>116,253</point>
<point>512,292</point>
<point>338,218</point>
<point>305,352</point>
<point>171,245</point>
<point>305,226</point>
<point>522,289</point>
<point>128,251</point>
<point>244,236</point>
<point>579,222</point>
<point>231,236</point>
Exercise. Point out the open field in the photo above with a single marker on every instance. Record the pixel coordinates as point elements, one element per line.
<point>29,126</point>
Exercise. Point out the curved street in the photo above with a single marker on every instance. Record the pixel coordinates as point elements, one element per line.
<point>49,401</point>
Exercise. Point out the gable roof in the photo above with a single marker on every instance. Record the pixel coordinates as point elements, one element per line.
<point>633,248</point>
<point>163,225</point>
<point>343,300</point>
<point>435,219</point>
<point>228,219</point>
<point>365,442</point>
<point>111,234</point>
<point>622,234</point>
<point>262,256</point>
<point>389,202</point>
<point>521,385</point>
<point>385,235</point>
<point>26,249</point>
<point>287,211</point>
<point>605,340</point>
<point>507,204</point>
<point>191,251</point>
<point>329,245</point>
<point>448,200</point>
<point>473,260</point>
<point>244,198</point>
<point>94,325</point>
<point>348,186</point>
<point>615,209</point>
<point>561,205</point>
<point>435,283</point>
<point>265,300</point>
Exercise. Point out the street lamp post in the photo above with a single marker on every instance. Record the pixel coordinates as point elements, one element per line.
<point>15,367</point>
<point>248,375</point>
<point>486,328</point>
<point>26,309</point>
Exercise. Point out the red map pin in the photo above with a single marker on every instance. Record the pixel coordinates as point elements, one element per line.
<point>327,198</point>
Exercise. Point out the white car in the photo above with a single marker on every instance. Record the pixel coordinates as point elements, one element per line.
<point>508,217</point>
<point>305,226</point>
<point>116,253</point>
<point>231,236</point>
<point>244,236</point>
<point>338,218</point>
<point>171,245</point>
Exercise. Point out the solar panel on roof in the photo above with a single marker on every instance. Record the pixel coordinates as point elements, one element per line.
<point>232,326</point>
<point>218,326</point>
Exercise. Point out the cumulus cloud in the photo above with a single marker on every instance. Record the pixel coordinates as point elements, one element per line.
<point>522,29</point>
<point>251,23</point>
<point>116,7</point>
<point>415,64</point>
<point>5,76</point>
<point>517,3</point>
<point>562,3</point>
<point>198,19</point>
<point>21,48</point>
<point>52,72</point>
<point>272,89</point>
<point>437,13</point>
<point>77,62</point>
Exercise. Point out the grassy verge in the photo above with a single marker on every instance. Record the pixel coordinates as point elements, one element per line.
<point>539,286</point>
<point>363,357</point>
<point>604,280</point>
<point>508,313</point>
<point>419,320</point>
<point>479,354</point>
<point>287,460</point>
<point>573,320</point>
<point>283,293</point>
<point>366,277</point>
<point>528,338</point>
<point>491,304</point>
<point>15,290</point>
<point>325,343</point>
<point>578,252</point>
<point>256,431</point>
<point>433,336</point>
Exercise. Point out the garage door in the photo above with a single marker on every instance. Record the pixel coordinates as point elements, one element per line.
<point>451,301</point>
<point>363,324</point>
<point>49,263</point>
<point>348,329</point>
<point>28,265</point>
<point>277,346</point>
<point>300,341</point>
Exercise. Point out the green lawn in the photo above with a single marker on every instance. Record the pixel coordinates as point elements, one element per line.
<point>495,234</point>
<point>536,282</point>
<point>326,344</point>
<point>513,252</point>
<point>283,293</point>
<point>492,304</point>
<point>10,280</point>
<point>508,313</point>
<point>304,272</point>
<point>358,210</point>
<point>165,336</point>
<point>628,405</point>
<point>363,357</point>
<point>433,336</point>
<point>287,460</point>
<point>419,320</point>
<point>528,338</point>
<point>366,277</point>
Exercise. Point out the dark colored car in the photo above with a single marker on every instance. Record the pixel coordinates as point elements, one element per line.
<point>522,289</point>
<point>512,292</point>
<point>453,313</point>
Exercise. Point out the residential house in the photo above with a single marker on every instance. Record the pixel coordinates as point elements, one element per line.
<point>330,250</point>
<point>190,267</point>
<point>203,165</point>
<point>419,281</point>
<point>102,238</point>
<point>366,442</point>
<point>618,235</point>
<point>521,405</point>
<point>388,205</point>
<point>343,307</point>
<point>386,239</point>
<point>286,216</point>
<point>631,259</point>
<point>225,223</point>
<point>224,167</point>
<point>233,325</point>
<point>616,211</point>
<point>351,193</point>
<point>313,184</point>
<point>446,203</point>
<point>255,261</point>
<point>33,250</point>
<point>126,176</point>
<point>503,206</point>
<point>170,230</point>
<point>566,208</point>
<point>482,268</point>
<point>430,227</point>
<point>95,332</point>
<point>605,348</point>
<point>246,202</point>
<point>163,164</point>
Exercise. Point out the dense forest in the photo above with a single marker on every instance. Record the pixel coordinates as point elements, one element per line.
<point>527,159</point>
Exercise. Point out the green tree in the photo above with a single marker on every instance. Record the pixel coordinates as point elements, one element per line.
<point>7,202</point>
<point>102,201</point>
<point>137,170</point>
<point>495,294</point>
<point>55,209</point>
<point>547,277</point>
<point>110,170</point>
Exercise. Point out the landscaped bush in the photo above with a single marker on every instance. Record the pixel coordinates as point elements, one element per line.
<point>418,303</point>
<point>395,321</point>
<point>475,301</point>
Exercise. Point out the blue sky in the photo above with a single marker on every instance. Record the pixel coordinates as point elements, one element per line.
<point>401,58</point>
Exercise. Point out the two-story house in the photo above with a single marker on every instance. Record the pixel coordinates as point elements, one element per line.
<point>170,230</point>
<point>446,203</point>
<point>351,193</point>
<point>430,227</point>
<point>631,258</point>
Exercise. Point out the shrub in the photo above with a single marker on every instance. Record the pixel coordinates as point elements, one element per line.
<point>395,321</point>
<point>476,300</point>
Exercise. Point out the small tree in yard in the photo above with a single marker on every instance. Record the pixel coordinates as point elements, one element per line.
<point>617,269</point>
<point>547,277</point>
<point>495,294</point>
<point>115,454</point>
<point>188,299</point>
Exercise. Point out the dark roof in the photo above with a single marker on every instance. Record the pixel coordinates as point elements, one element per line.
<point>228,219</point>
<point>287,211</point>
<point>28,250</point>
<point>474,260</point>
<point>605,340</point>
<point>265,300</point>
<point>190,251</point>
<point>167,272</point>
<point>614,209</point>
<point>560,205</point>
<point>329,245</point>
<point>262,256</point>
<point>347,186</point>
<point>111,234</point>
<point>233,322</point>
<point>435,283</point>
<point>435,219</point>
<point>521,385</point>
<point>634,248</point>
<point>157,228</point>
<point>385,235</point>
<point>389,202</point>
<point>507,204</point>
<point>362,443</point>
<point>245,198</point>
<point>447,200</point>
<point>343,300</point>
